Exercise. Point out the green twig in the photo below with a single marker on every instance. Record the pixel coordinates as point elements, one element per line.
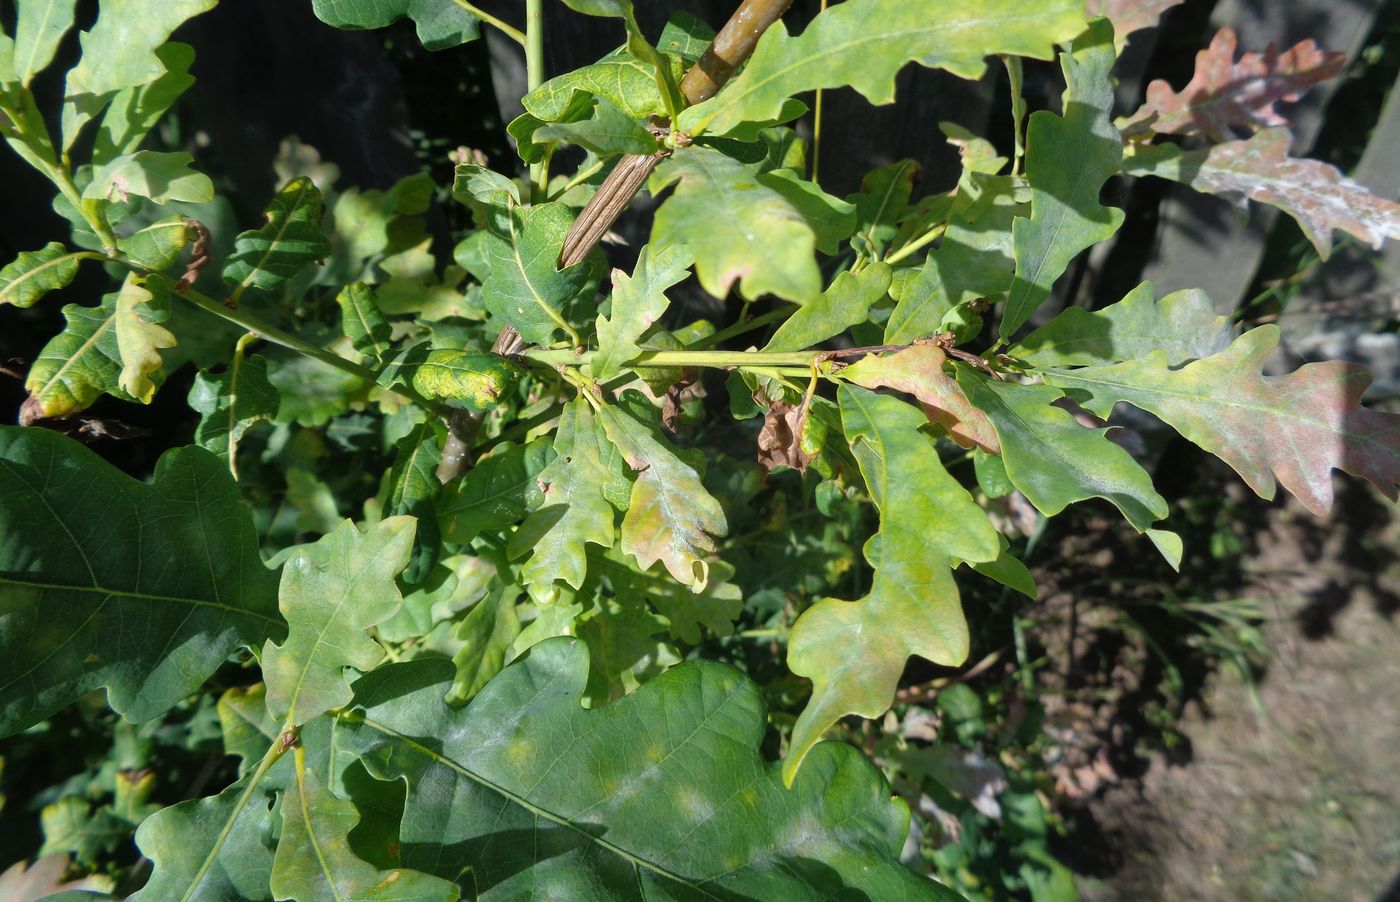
<point>510,31</point>
<point>534,77</point>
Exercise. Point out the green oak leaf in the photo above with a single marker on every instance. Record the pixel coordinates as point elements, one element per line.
<point>761,229</point>
<point>39,27</point>
<point>487,634</point>
<point>855,651</point>
<point>974,260</point>
<point>363,323</point>
<point>106,582</point>
<point>881,203</point>
<point>638,301</point>
<point>136,109</point>
<point>413,488</point>
<point>671,516</point>
<point>1054,460</point>
<point>332,592</point>
<point>314,860</point>
<point>1183,325</point>
<point>845,304</point>
<point>230,403</point>
<point>626,647</point>
<point>662,67</point>
<point>246,727</point>
<point>685,611</point>
<point>864,44</point>
<point>1068,160</point>
<point>571,509</point>
<point>34,274</point>
<point>620,78</point>
<point>158,246</point>
<point>605,131</point>
<point>119,52</point>
<point>72,825</point>
<point>661,794</point>
<point>265,258</point>
<point>1292,429</point>
<point>524,287</point>
<point>495,493</point>
<point>440,23</point>
<point>113,348</point>
<point>163,177</point>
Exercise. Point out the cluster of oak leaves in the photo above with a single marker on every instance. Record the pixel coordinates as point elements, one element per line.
<point>583,533</point>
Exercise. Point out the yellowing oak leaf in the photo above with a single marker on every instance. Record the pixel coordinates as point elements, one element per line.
<point>140,337</point>
<point>855,651</point>
<point>672,516</point>
<point>1295,429</point>
<point>1315,194</point>
<point>1224,95</point>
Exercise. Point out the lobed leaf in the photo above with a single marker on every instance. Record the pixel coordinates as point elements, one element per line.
<point>140,337</point>
<point>163,177</point>
<point>846,303</point>
<point>1225,95</point>
<point>363,323</point>
<point>1068,160</point>
<point>759,229</point>
<point>34,274</point>
<point>158,246</point>
<point>1183,325</point>
<point>603,130</point>
<point>1129,16</point>
<point>976,259</point>
<point>1054,460</point>
<point>620,78</point>
<point>440,23</point>
<point>494,494</point>
<point>572,510</point>
<point>314,860</point>
<point>136,110</point>
<point>638,301</point>
<point>671,516</point>
<point>660,794</point>
<point>1294,429</point>
<point>685,612</point>
<point>413,488</point>
<point>864,44</point>
<point>268,257</point>
<point>119,52</point>
<point>110,349</point>
<point>487,635</point>
<point>855,651</point>
<point>524,288</point>
<point>882,201</point>
<point>106,582</point>
<point>1315,194</point>
<point>332,591</point>
<point>919,371</point>
<point>39,27</point>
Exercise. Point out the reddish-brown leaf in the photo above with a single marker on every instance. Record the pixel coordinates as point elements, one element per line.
<point>1296,428</point>
<point>919,371</point>
<point>1129,16</point>
<point>1224,95</point>
<point>780,439</point>
<point>1317,195</point>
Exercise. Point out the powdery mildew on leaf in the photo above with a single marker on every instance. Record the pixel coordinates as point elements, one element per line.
<point>1314,193</point>
<point>1296,428</point>
<point>1224,95</point>
<point>662,792</point>
<point>106,582</point>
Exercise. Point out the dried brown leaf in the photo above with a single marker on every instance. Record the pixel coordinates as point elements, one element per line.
<point>780,439</point>
<point>1224,95</point>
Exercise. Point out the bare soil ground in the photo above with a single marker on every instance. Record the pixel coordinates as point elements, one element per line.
<point>1287,788</point>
